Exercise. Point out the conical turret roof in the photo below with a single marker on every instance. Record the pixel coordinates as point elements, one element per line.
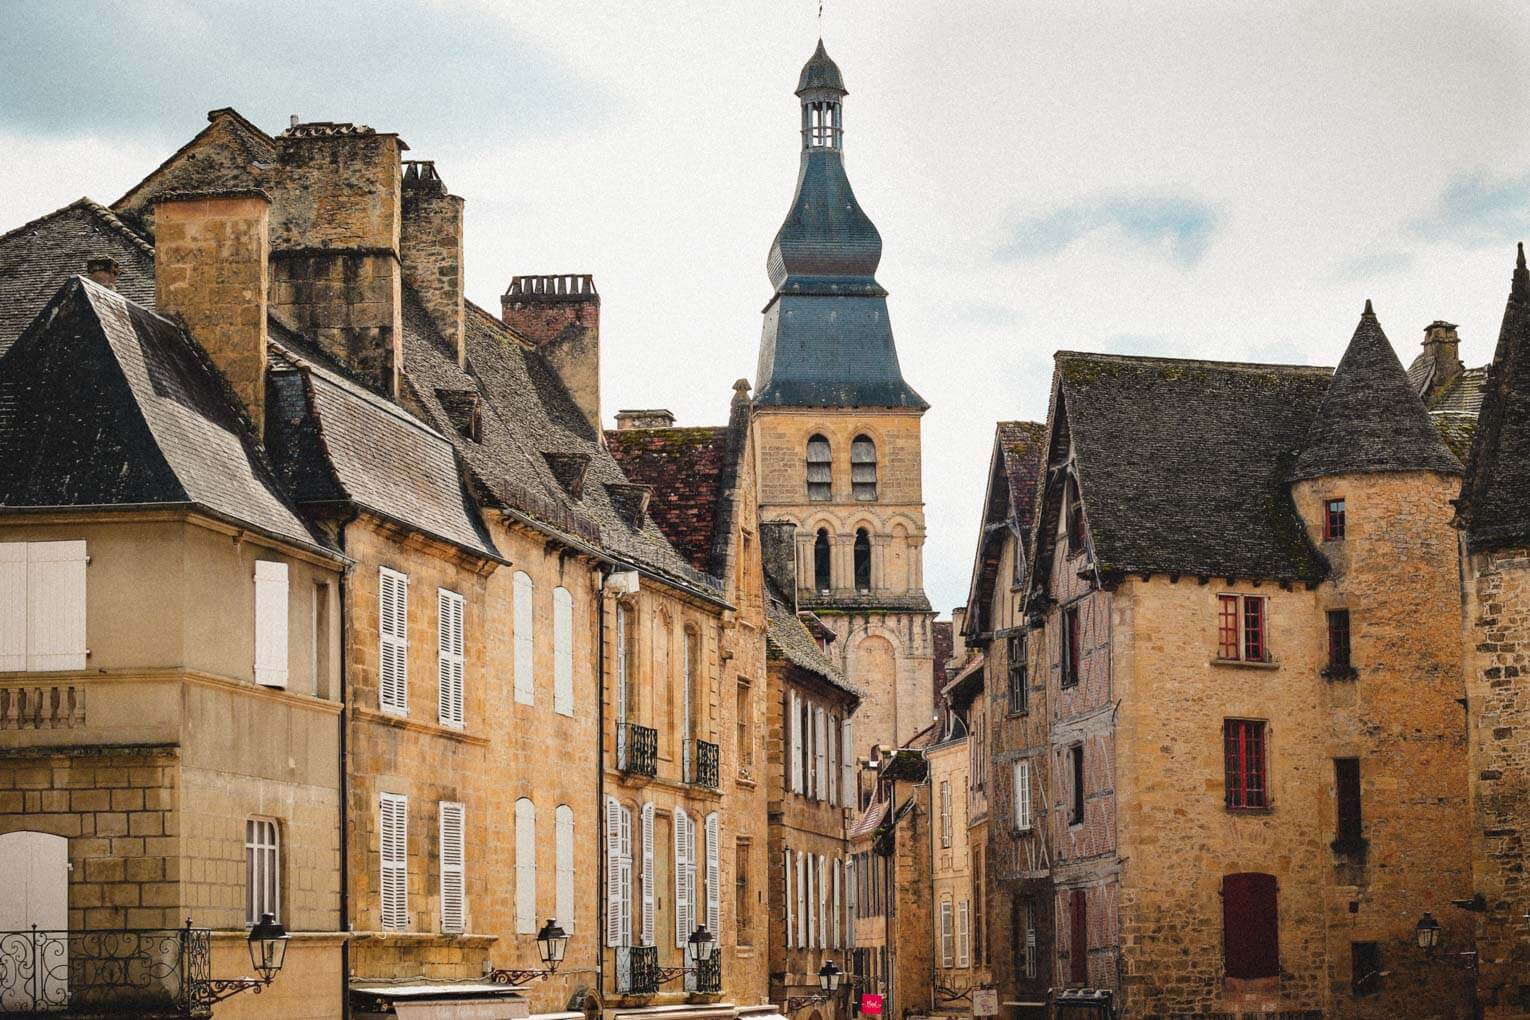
<point>1371,419</point>
<point>821,72</point>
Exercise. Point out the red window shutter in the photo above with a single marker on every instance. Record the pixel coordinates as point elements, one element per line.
<point>1227,627</point>
<point>1078,941</point>
<point>1250,926</point>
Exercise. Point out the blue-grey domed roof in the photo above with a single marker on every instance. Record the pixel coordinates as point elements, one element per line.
<point>820,72</point>
<point>825,236</point>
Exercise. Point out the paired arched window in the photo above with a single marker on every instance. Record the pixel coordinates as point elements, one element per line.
<point>820,468</point>
<point>863,469</point>
<point>862,560</point>
<point>821,560</point>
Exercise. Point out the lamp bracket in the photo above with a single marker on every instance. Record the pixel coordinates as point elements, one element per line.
<point>508,976</point>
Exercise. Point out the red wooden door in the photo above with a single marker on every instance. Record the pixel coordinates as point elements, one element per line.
<point>1250,926</point>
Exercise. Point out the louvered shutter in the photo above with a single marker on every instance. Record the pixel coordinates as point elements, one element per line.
<point>453,879</point>
<point>1022,795</point>
<point>847,764</point>
<point>791,913</point>
<point>963,934</point>
<point>831,777</point>
<point>13,606</point>
<point>802,901</point>
<point>821,781</point>
<point>714,876</point>
<point>850,902</point>
<point>563,652</point>
<point>55,605</point>
<point>823,903</point>
<point>815,898</point>
<point>797,755</point>
<point>647,932</point>
<point>270,623</point>
<point>525,867</point>
<point>947,950</point>
<point>614,900</point>
<point>525,681</point>
<point>624,887</point>
<point>393,657</point>
<point>621,679</point>
<point>683,924</point>
<point>563,890</point>
<point>449,658</point>
<point>393,849</point>
<point>789,746</point>
<point>834,932</point>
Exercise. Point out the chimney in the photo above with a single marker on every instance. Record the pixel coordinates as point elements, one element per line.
<point>958,634</point>
<point>103,271</point>
<point>653,418</point>
<point>560,315</point>
<point>778,555</point>
<point>430,249</point>
<point>210,253</point>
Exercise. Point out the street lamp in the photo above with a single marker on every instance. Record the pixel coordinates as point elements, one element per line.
<point>828,977</point>
<point>1428,932</point>
<point>267,943</point>
<point>268,947</point>
<point>552,943</point>
<point>700,945</point>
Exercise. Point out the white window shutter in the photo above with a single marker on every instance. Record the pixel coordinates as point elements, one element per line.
<point>55,605</point>
<point>682,898</point>
<point>714,877</point>
<point>802,901</point>
<point>563,836</point>
<point>850,904</point>
<point>624,888</point>
<point>453,868</point>
<point>847,765</point>
<point>621,674</point>
<point>613,872</point>
<point>449,658</point>
<point>13,606</point>
<point>796,731</point>
<point>786,864</point>
<point>1022,779</point>
<point>648,878</point>
<point>525,867</point>
<point>963,934</point>
<point>393,654</point>
<point>393,849</point>
<point>270,623</point>
<point>823,903</point>
<point>523,591</point>
<point>831,777</point>
<point>563,651</point>
<point>947,949</point>
<point>821,756</point>
<point>834,942</point>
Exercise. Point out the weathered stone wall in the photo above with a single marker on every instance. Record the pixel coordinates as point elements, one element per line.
<point>561,316</point>
<point>350,304</point>
<point>430,249</point>
<point>219,158</point>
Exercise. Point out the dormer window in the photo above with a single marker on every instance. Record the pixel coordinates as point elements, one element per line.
<point>1333,520</point>
<point>462,410</point>
<point>821,560</point>
<point>863,469</point>
<point>1074,519</point>
<point>820,469</point>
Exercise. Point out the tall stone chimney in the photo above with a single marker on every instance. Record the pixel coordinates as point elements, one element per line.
<point>778,556</point>
<point>561,316</point>
<point>1443,346</point>
<point>647,418</point>
<point>104,271</point>
<point>430,249</point>
<point>210,253</point>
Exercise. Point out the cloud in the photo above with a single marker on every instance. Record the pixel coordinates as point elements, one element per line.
<point>1372,264</point>
<point>440,72</point>
<point>1177,227</point>
<point>1477,210</point>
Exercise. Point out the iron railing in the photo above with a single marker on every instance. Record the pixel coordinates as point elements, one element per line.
<point>637,970</point>
<point>705,770</point>
<point>131,972</point>
<point>706,977</point>
<point>637,750</point>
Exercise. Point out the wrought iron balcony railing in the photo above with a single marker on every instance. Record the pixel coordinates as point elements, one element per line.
<point>117,972</point>
<point>706,977</point>
<point>637,970</point>
<point>704,768</point>
<point>637,750</point>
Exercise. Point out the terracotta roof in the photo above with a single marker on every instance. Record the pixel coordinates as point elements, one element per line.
<point>685,467</point>
<point>868,821</point>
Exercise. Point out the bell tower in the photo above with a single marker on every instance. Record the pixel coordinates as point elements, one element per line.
<point>837,431</point>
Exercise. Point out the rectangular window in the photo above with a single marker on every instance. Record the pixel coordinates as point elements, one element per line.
<point>1338,641</point>
<point>1245,764</point>
<point>618,872</point>
<point>1346,774</point>
<point>741,906</point>
<point>563,866</point>
<point>1250,926</point>
<point>1072,646</point>
<point>1241,628</point>
<point>319,640</point>
<point>525,867</point>
<point>393,653</point>
<point>963,934</point>
<point>393,850</point>
<point>1078,941</point>
<point>270,623</point>
<point>1364,968</point>
<point>1019,696</point>
<point>745,737</point>
<point>449,658</point>
<point>42,606</point>
<point>1333,520</point>
<point>1028,942</point>
<point>453,882</point>
<point>1076,760</point>
<point>262,869</point>
<point>947,935</point>
<point>563,651</point>
<point>945,813</point>
<point>1022,783</point>
<point>522,591</point>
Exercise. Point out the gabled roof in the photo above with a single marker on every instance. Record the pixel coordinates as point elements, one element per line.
<point>1009,505</point>
<point>105,404</point>
<point>685,467</point>
<point>1371,418</point>
<point>236,155</point>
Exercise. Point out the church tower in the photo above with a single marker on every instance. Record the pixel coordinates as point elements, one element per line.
<point>836,431</point>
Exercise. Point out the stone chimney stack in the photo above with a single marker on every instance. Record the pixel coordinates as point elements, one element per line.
<point>561,316</point>
<point>103,271</point>
<point>958,635</point>
<point>430,249</point>
<point>648,418</point>
<point>210,254</point>
<point>1444,344</point>
<point>778,555</point>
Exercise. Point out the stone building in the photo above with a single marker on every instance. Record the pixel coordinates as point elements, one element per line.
<point>837,431</point>
<point>1496,528</point>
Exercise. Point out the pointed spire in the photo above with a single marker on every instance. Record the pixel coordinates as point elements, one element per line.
<point>1371,419</point>
<point>1519,290</point>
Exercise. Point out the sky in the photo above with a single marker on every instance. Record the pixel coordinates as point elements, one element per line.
<point>1225,181</point>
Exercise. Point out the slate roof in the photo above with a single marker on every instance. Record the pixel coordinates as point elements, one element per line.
<point>251,152</point>
<point>786,637</point>
<point>685,467</point>
<point>1009,508</point>
<point>39,257</point>
<point>1464,394</point>
<point>159,427</point>
<point>1493,504</point>
<point>1371,418</point>
<point>1182,464</point>
<point>820,72</point>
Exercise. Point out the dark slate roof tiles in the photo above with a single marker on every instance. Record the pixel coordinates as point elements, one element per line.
<point>788,638</point>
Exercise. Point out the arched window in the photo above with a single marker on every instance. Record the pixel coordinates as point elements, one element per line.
<point>821,560</point>
<point>691,702</point>
<point>1075,517</point>
<point>862,560</point>
<point>820,468</point>
<point>863,469</point>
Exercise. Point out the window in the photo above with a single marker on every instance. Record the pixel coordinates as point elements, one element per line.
<point>963,934</point>
<point>863,469</point>
<point>319,640</point>
<point>393,655</point>
<point>563,876</point>
<point>1346,774</point>
<point>821,755</point>
<point>791,899</point>
<point>1022,782</point>
<point>393,850</point>
<point>794,756</point>
<point>745,736</point>
<point>1078,940</point>
<point>1245,764</point>
<point>820,469</point>
<point>525,867</point>
<point>449,660</point>
<point>690,703</point>
<point>1364,968</point>
<point>522,592</point>
<point>618,874</point>
<point>978,954</point>
<point>453,886</point>
<point>1076,761</point>
<point>685,878</point>
<point>1072,646</point>
<point>821,575</point>
<point>1338,643</point>
<point>831,773</point>
<point>650,887</point>
<point>270,623</point>
<point>1019,697</point>
<point>1241,628</point>
<point>262,870</point>
<point>862,560</point>
<point>945,813</point>
<point>623,670</point>
<point>713,829</point>
<point>852,908</point>
<point>742,906</point>
<point>1075,518</point>
<point>1026,943</point>
<point>1333,520</point>
<point>42,606</point>
<point>847,764</point>
<point>1250,926</point>
<point>947,935</point>
<point>563,652</point>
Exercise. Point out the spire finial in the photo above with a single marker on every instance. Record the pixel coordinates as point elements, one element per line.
<point>1520,290</point>
<point>1368,310</point>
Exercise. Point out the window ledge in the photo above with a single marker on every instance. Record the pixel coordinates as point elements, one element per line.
<point>1266,810</point>
<point>1246,664</point>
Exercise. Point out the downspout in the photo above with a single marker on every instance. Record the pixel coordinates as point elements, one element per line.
<point>603,879</point>
<point>345,788</point>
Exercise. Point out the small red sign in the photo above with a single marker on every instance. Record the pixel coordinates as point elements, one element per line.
<point>871,1004</point>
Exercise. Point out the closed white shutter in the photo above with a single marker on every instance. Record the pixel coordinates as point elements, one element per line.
<point>624,885</point>
<point>850,904</point>
<point>453,880</point>
<point>831,777</point>
<point>55,605</point>
<point>791,904</point>
<point>847,764</point>
<point>963,934</point>
<point>614,899</point>
<point>802,900</point>
<point>522,592</point>
<point>823,902</point>
<point>821,736</point>
<point>683,894</point>
<point>714,877</point>
<point>621,676</point>
<point>270,623</point>
<point>393,655</point>
<point>795,727</point>
<point>525,867</point>
<point>834,935</point>
<point>13,606</point>
<point>947,949</point>
<point>815,901</point>
<point>1022,779</point>
<point>563,652</point>
<point>393,849</point>
<point>647,931</point>
<point>563,890</point>
<point>449,663</point>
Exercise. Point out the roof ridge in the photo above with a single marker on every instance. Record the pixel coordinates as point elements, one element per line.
<point>497,322</point>
<point>96,209</point>
<point>1131,359</point>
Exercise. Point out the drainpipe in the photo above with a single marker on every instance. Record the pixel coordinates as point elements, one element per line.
<point>345,786</point>
<point>602,879</point>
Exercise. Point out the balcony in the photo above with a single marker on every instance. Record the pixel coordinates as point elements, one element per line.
<point>706,977</point>
<point>637,969</point>
<point>704,768</point>
<point>118,972</point>
<point>637,750</point>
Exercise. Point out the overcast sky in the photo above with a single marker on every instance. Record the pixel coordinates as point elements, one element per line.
<point>1189,179</point>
